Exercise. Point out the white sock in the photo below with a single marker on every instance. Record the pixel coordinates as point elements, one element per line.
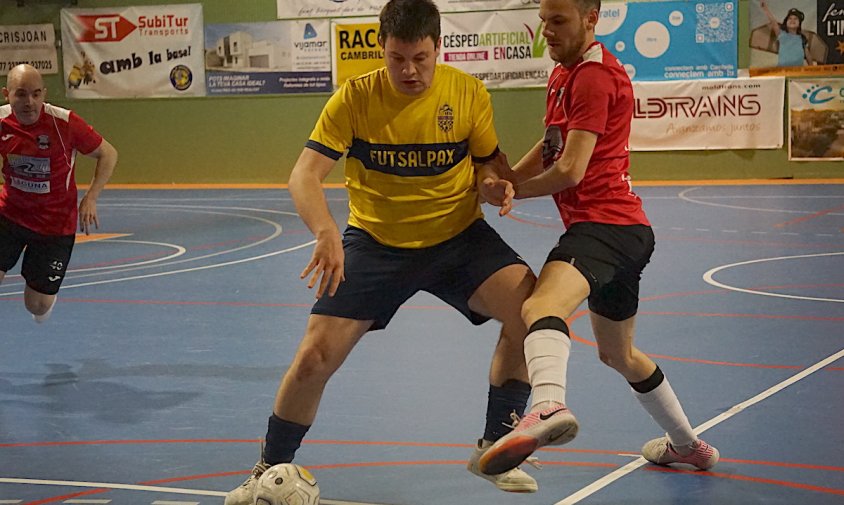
<point>547,355</point>
<point>664,407</point>
<point>43,317</point>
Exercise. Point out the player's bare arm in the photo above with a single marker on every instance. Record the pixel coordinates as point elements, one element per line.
<point>305,185</point>
<point>566,172</point>
<point>106,156</point>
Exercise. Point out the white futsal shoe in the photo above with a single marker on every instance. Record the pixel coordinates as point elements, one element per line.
<point>244,494</point>
<point>512,481</point>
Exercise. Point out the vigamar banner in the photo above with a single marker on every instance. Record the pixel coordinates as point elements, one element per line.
<point>32,44</point>
<point>740,113</point>
<point>134,52</point>
<point>816,119</point>
<point>273,57</point>
<point>293,9</point>
<point>677,40</point>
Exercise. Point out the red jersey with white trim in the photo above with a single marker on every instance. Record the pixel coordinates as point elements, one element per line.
<point>39,187</point>
<point>594,95</point>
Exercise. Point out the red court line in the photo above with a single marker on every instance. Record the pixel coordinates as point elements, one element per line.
<point>809,217</point>
<point>747,478</point>
<point>590,343</point>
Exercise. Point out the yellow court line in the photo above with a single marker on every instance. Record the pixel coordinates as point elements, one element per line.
<point>81,237</point>
<point>693,182</point>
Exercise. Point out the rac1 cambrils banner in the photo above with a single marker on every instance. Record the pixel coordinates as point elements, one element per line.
<point>740,113</point>
<point>134,52</point>
<point>294,9</point>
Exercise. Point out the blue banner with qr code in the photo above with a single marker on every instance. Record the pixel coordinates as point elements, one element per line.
<point>660,41</point>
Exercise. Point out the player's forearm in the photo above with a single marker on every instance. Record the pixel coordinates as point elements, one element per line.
<point>553,180</point>
<point>106,161</point>
<point>309,199</point>
<point>530,165</point>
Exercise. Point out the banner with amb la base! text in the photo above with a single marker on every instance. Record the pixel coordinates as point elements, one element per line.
<point>134,52</point>
<point>740,113</point>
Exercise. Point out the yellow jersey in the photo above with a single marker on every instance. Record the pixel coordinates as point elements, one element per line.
<point>409,168</point>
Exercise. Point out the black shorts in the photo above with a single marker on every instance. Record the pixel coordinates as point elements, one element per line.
<point>612,258</point>
<point>45,260</point>
<point>380,278</point>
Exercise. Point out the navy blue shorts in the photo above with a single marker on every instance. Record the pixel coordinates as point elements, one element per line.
<point>380,278</point>
<point>45,260</point>
<point>612,258</point>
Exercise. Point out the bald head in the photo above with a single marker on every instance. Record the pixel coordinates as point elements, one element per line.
<point>25,91</point>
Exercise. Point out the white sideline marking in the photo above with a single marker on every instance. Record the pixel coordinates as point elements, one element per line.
<point>136,487</point>
<point>626,469</point>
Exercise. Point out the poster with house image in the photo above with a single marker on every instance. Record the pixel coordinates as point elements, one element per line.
<point>264,58</point>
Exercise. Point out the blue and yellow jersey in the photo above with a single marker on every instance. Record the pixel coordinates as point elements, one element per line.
<point>409,169</point>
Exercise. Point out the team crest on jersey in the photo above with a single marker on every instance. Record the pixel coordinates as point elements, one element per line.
<point>445,118</point>
<point>43,142</point>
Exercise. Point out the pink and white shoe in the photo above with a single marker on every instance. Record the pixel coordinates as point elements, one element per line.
<point>699,454</point>
<point>553,426</point>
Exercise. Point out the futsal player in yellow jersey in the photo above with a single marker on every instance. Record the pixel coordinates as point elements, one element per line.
<point>421,151</point>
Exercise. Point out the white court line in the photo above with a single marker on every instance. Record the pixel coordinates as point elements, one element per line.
<point>83,500</point>
<point>683,195</point>
<point>167,502</point>
<point>626,469</point>
<point>707,277</point>
<point>137,487</point>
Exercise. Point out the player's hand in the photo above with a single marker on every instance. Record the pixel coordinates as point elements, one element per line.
<point>499,193</point>
<point>88,215</point>
<point>326,266</point>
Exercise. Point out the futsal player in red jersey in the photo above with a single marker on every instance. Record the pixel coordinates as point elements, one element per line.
<point>583,162</point>
<point>38,209</point>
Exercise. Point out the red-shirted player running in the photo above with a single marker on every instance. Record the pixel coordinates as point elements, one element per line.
<point>38,143</point>
<point>583,161</point>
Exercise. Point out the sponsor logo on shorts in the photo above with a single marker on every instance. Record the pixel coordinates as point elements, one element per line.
<point>54,278</point>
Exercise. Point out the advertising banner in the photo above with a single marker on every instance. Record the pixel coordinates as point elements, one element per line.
<point>816,119</point>
<point>32,44</point>
<point>741,113</point>
<point>677,40</point>
<point>133,52</point>
<point>796,37</point>
<point>504,49</point>
<point>274,57</point>
<point>291,9</point>
<point>356,48</point>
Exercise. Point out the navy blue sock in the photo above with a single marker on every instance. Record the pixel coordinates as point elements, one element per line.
<point>510,396</point>
<point>283,439</point>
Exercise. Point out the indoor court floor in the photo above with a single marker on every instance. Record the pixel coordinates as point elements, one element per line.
<point>153,379</point>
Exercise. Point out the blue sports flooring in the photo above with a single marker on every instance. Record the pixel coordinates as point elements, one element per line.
<point>153,379</point>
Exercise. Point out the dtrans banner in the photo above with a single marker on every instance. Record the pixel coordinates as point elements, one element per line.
<point>293,9</point>
<point>356,49</point>
<point>134,52</point>
<point>409,160</point>
<point>32,44</point>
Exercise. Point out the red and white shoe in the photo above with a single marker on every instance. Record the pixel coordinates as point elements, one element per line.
<point>553,426</point>
<point>699,454</point>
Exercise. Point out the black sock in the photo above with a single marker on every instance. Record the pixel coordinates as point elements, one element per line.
<point>283,439</point>
<point>509,397</point>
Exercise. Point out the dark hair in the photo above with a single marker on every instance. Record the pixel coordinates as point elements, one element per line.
<point>409,20</point>
<point>585,6</point>
<point>800,16</point>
